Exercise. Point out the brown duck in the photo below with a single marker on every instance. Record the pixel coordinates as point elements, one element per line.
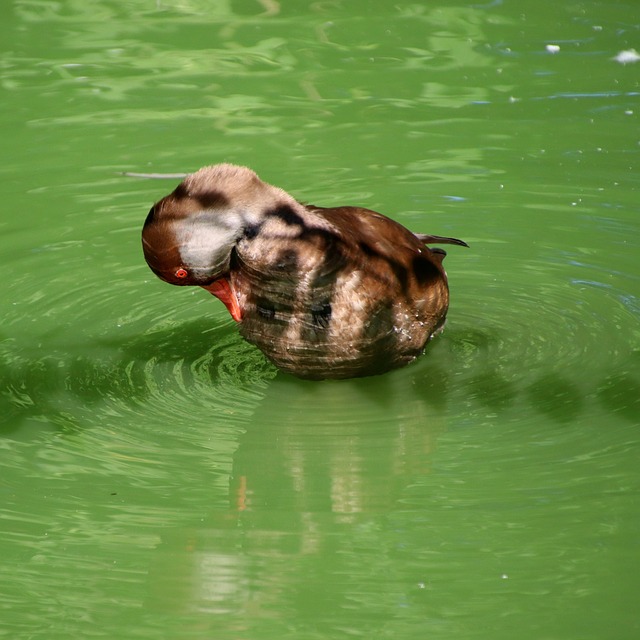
<point>322,292</point>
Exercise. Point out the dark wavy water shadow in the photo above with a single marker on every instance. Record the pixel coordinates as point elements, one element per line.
<point>457,370</point>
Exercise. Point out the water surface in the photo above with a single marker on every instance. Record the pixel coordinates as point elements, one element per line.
<point>162,480</point>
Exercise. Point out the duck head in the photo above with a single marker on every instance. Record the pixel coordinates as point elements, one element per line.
<point>189,235</point>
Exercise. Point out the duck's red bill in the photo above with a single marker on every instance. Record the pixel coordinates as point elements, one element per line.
<point>222,290</point>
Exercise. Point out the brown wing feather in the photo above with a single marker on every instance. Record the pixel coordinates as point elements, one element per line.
<point>342,292</point>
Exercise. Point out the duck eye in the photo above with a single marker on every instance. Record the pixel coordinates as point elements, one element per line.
<point>181,273</point>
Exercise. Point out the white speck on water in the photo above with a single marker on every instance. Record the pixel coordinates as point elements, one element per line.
<point>627,56</point>
<point>553,48</point>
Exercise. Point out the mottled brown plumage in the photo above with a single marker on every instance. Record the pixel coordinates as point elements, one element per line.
<point>322,292</point>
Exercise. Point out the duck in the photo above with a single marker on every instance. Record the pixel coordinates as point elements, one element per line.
<point>323,292</point>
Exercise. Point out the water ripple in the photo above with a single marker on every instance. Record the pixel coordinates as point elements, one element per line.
<point>533,335</point>
<point>540,334</point>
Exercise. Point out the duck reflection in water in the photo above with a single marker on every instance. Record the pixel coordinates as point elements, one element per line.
<point>318,472</point>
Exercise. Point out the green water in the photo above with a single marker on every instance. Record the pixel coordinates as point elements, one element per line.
<point>161,480</point>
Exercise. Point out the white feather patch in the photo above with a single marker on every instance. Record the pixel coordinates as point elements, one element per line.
<point>206,238</point>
